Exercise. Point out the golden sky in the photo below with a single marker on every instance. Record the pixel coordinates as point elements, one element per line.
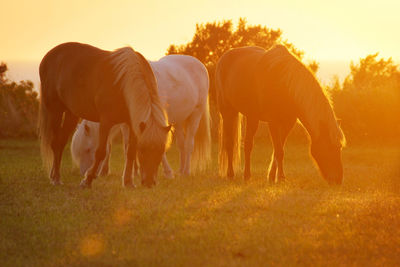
<point>325,30</point>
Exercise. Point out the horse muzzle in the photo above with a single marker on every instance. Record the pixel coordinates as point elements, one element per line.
<point>148,182</point>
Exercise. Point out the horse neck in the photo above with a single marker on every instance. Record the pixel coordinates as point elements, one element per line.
<point>144,107</point>
<point>312,116</point>
<point>139,105</point>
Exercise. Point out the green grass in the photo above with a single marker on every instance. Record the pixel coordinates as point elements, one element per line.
<point>202,220</point>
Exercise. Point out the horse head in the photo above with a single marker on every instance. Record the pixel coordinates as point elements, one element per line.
<point>328,156</point>
<point>150,153</point>
<point>84,144</point>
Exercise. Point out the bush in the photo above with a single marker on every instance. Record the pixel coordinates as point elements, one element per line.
<point>19,107</point>
<point>368,101</point>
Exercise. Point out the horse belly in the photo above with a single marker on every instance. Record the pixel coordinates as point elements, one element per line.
<point>243,102</point>
<point>275,107</point>
<point>179,106</point>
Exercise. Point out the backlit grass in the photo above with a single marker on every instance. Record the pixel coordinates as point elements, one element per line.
<point>202,220</point>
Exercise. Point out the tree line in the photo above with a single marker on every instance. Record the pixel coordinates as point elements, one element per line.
<point>367,101</point>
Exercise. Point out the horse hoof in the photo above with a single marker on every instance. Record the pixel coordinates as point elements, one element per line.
<point>56,182</point>
<point>104,173</point>
<point>85,184</point>
<point>169,175</point>
<point>230,174</point>
<point>129,186</point>
<point>128,183</point>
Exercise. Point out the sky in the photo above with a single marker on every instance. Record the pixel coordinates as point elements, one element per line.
<point>327,31</point>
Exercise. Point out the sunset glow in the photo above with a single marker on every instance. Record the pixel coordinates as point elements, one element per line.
<point>199,133</point>
<point>339,30</point>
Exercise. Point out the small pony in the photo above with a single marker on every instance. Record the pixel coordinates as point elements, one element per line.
<point>85,141</point>
<point>82,81</point>
<point>183,88</point>
<point>275,87</point>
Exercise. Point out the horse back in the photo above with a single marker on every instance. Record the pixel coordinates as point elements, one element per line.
<point>235,79</point>
<point>182,84</point>
<point>75,76</point>
<point>247,83</point>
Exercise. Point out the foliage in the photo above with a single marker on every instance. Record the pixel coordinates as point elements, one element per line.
<point>368,100</point>
<point>18,107</point>
<point>3,70</point>
<point>202,220</point>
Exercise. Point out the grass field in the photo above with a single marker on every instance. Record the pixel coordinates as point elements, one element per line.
<point>202,220</point>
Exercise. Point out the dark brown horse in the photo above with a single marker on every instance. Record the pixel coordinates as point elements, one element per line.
<point>82,81</point>
<point>275,87</point>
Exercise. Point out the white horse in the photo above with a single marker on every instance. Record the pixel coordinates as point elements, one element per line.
<point>183,89</point>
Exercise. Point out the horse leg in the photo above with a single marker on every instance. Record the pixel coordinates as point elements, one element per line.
<point>130,143</point>
<point>54,175</point>
<point>272,169</point>
<point>168,172</point>
<point>279,133</point>
<point>105,165</point>
<point>192,124</point>
<point>63,133</point>
<point>277,154</point>
<point>180,140</point>
<point>99,155</point>
<point>228,123</point>
<point>126,133</point>
<point>251,129</point>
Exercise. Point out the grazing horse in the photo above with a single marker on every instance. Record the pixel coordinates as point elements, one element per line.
<point>183,88</point>
<point>110,87</point>
<point>85,141</point>
<point>275,87</point>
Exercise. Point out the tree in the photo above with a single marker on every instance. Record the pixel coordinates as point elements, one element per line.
<point>18,107</point>
<point>3,70</point>
<point>368,100</point>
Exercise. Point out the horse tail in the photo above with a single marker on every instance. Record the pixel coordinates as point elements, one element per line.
<point>45,132</point>
<point>202,142</point>
<point>230,136</point>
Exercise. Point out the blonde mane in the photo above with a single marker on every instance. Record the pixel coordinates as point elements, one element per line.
<point>139,86</point>
<point>306,91</point>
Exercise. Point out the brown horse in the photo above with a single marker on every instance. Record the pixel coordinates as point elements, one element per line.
<point>275,87</point>
<point>82,81</point>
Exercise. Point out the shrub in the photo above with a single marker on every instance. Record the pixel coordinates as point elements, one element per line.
<point>18,107</point>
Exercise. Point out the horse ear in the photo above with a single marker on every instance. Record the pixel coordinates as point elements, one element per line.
<point>168,128</point>
<point>142,126</point>
<point>87,129</point>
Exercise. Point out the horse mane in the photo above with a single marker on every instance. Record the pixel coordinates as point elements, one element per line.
<point>306,91</point>
<point>136,78</point>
